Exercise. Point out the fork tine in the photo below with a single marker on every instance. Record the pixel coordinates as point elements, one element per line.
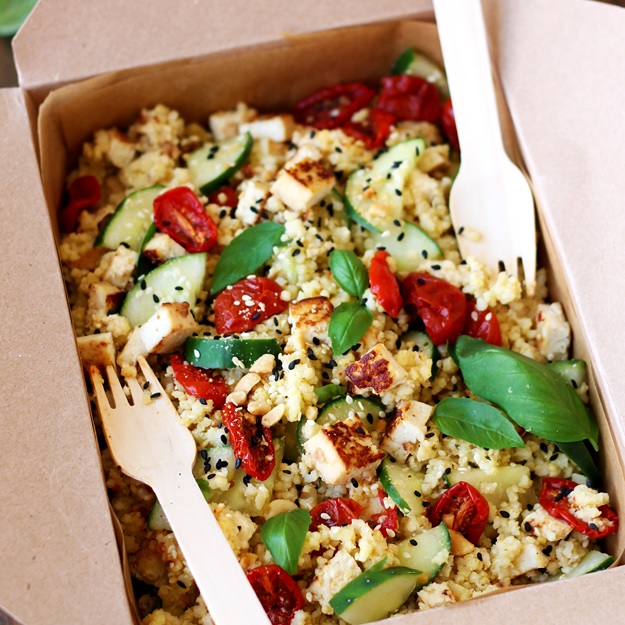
<point>116,388</point>
<point>98,386</point>
<point>136,390</point>
<point>149,374</point>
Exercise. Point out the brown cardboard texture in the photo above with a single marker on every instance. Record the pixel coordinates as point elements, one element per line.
<point>77,536</point>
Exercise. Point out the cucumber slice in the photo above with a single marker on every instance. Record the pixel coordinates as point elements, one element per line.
<point>427,552</point>
<point>425,345</point>
<point>403,485</point>
<point>492,486</point>
<point>214,164</point>
<point>373,194</point>
<point>416,64</point>
<point>329,392</point>
<point>156,518</point>
<point>409,246</point>
<point>177,280</point>
<point>144,266</point>
<point>374,594</point>
<point>591,562</point>
<point>369,411</point>
<point>221,353</point>
<point>575,372</point>
<point>291,448</point>
<point>130,221</point>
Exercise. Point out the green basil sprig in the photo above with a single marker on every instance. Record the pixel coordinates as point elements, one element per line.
<point>329,392</point>
<point>579,453</point>
<point>348,322</point>
<point>476,422</point>
<point>284,536</point>
<point>349,271</point>
<point>246,253</point>
<point>532,394</point>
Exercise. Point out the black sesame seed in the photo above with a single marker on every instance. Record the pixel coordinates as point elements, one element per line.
<point>369,418</point>
<point>338,149</point>
<point>296,252</point>
<point>420,281</point>
<point>425,504</point>
<point>417,493</point>
<point>544,448</point>
<point>210,476</point>
<point>527,526</point>
<point>247,479</point>
<point>401,236</point>
<point>505,514</point>
<point>332,364</point>
<point>461,230</point>
<point>316,341</point>
<point>413,542</point>
<point>144,285</point>
<point>429,435</point>
<point>312,134</point>
<point>204,454</point>
<point>447,471</point>
<point>237,463</point>
<point>436,267</point>
<point>388,176</point>
<point>255,316</point>
<point>398,343</point>
<point>155,298</point>
<point>593,526</point>
<point>553,457</point>
<point>396,164</point>
<point>354,482</point>
<point>424,253</point>
<point>222,213</point>
<point>548,549</point>
<point>254,210</point>
<point>480,557</point>
<point>203,401</point>
<point>179,288</point>
<point>181,584</point>
<point>398,192</point>
<point>360,430</point>
<point>311,354</point>
<point>293,364</point>
<point>325,375</point>
<point>145,386</point>
<point>356,347</point>
<point>224,439</point>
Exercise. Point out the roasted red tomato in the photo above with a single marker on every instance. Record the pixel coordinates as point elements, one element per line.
<point>224,196</point>
<point>442,306</point>
<point>251,442</point>
<point>374,131</point>
<point>384,284</point>
<point>448,122</point>
<point>387,519</point>
<point>180,214</point>
<point>277,591</point>
<point>337,511</point>
<point>554,499</point>
<point>410,97</point>
<point>243,305</point>
<point>334,106</point>
<point>198,382</point>
<point>463,509</point>
<point>85,191</point>
<point>482,324</point>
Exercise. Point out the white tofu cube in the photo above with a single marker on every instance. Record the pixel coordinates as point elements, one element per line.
<point>435,595</point>
<point>332,576</point>
<point>408,427</point>
<point>542,524</point>
<point>303,184</point>
<point>305,151</point>
<point>162,333</point>
<point>102,299</point>
<point>309,319</point>
<point>119,266</point>
<point>97,350</point>
<point>376,371</point>
<point>275,127</point>
<point>344,450</point>
<point>530,559</point>
<point>225,124</point>
<point>161,248</point>
<point>553,332</point>
<point>251,201</point>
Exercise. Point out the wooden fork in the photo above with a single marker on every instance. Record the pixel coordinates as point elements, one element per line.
<point>150,444</point>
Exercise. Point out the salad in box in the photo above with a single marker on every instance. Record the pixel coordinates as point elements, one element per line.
<point>381,425</point>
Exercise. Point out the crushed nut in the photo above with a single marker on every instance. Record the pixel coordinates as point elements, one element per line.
<point>265,364</point>
<point>273,416</point>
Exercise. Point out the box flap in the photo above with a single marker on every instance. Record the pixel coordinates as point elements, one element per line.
<point>567,103</point>
<point>62,565</point>
<point>125,34</point>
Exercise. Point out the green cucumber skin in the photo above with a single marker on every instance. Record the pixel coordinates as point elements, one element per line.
<point>426,345</point>
<point>139,306</point>
<point>504,477</point>
<point>575,371</point>
<point>116,231</point>
<point>144,266</point>
<point>592,562</point>
<point>218,354</point>
<point>399,481</point>
<point>433,544</point>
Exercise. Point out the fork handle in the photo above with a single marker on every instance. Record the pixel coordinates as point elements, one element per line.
<point>464,44</point>
<point>229,597</point>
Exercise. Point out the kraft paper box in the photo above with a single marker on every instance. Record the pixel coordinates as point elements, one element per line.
<point>561,65</point>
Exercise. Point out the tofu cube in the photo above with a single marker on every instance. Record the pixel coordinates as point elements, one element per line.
<point>251,201</point>
<point>309,318</point>
<point>275,127</point>
<point>376,371</point>
<point>332,576</point>
<point>342,451</point>
<point>305,151</point>
<point>102,299</point>
<point>408,427</point>
<point>162,333</point>
<point>303,184</point>
<point>530,559</point>
<point>435,595</point>
<point>553,332</point>
<point>161,248</point>
<point>542,524</point>
<point>119,266</point>
<point>97,350</point>
<point>225,124</point>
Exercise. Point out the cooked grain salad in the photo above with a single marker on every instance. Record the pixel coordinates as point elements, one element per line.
<point>381,425</point>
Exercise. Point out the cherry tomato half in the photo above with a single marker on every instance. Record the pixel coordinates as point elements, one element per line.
<point>410,97</point>
<point>374,131</point>
<point>387,519</point>
<point>85,191</point>
<point>468,508</point>
<point>334,106</point>
<point>482,324</point>
<point>180,214</point>
<point>448,122</point>
<point>204,383</point>
<point>336,511</point>
<point>277,591</point>
<point>442,306</point>
<point>241,306</point>
<point>384,284</point>
<point>554,499</point>
<point>224,196</point>
<point>251,442</point>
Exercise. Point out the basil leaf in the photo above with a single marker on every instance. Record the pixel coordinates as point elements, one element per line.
<point>532,394</point>
<point>348,322</point>
<point>579,453</point>
<point>349,271</point>
<point>329,392</point>
<point>476,422</point>
<point>284,536</point>
<point>246,253</point>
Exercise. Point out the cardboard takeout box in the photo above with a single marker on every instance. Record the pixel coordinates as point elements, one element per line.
<point>561,66</point>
